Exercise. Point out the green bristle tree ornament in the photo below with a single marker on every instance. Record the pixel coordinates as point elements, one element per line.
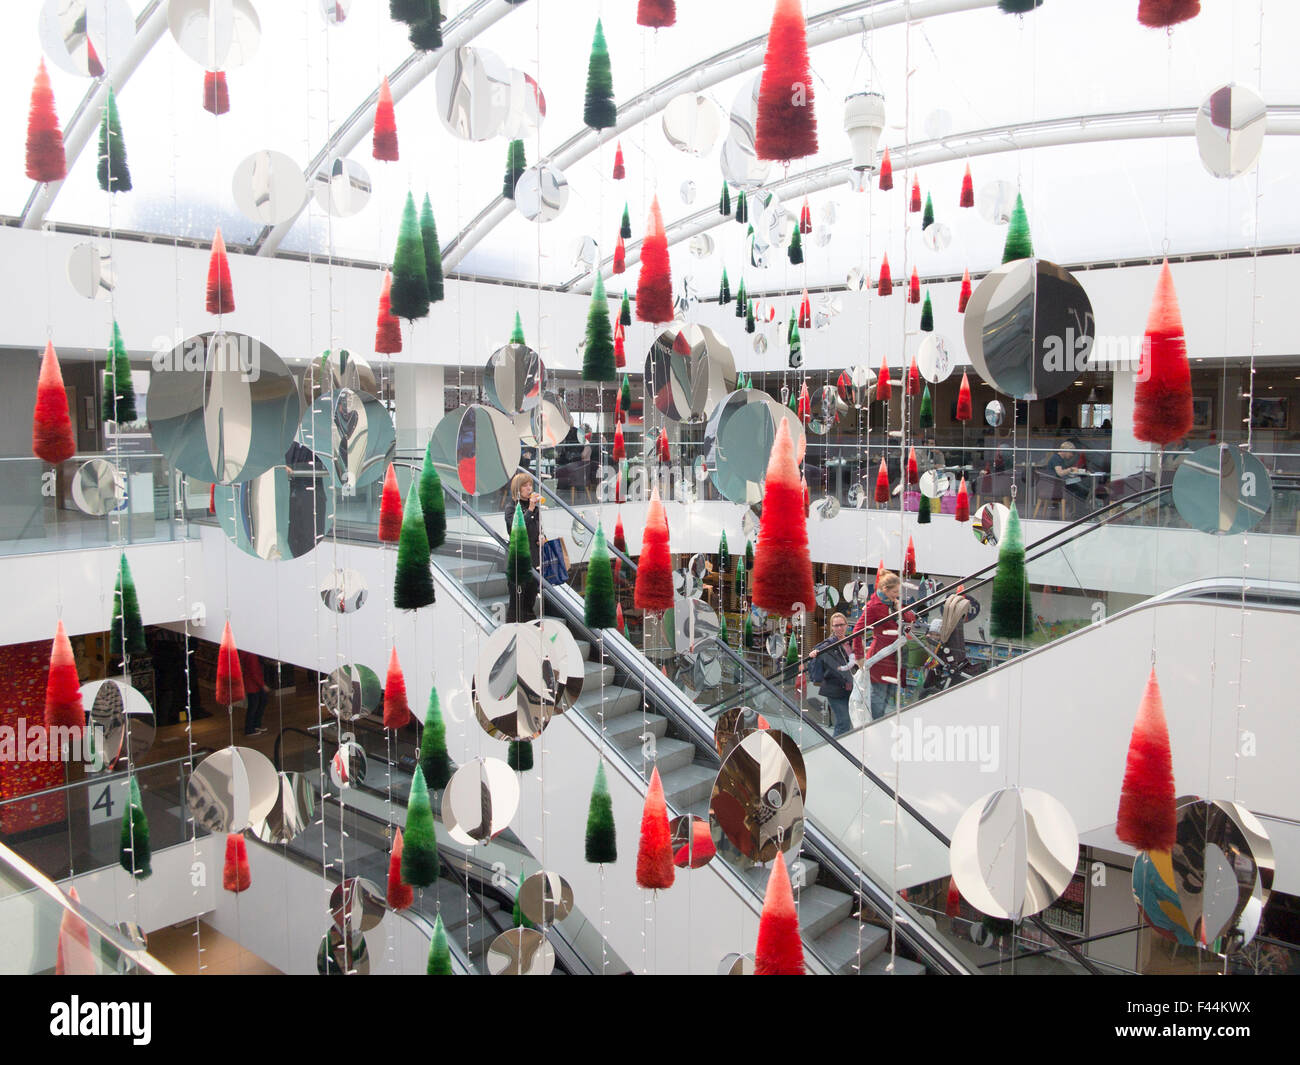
<point>439,951</point>
<point>517,334</point>
<point>927,314</point>
<point>1012,615</point>
<point>724,202</point>
<point>625,396</point>
<point>925,419</point>
<point>435,762</point>
<point>134,853</point>
<point>792,329</point>
<point>517,912</point>
<point>602,846</point>
<point>740,574</point>
<point>724,554</point>
<point>119,388</point>
<point>599,111</point>
<point>1018,7</point>
<point>1019,244</point>
<point>433,503</point>
<point>741,300</point>
<point>419,841</point>
<point>792,651</point>
<point>749,555</point>
<point>747,631</point>
<point>598,356</point>
<point>927,219</point>
<point>742,208</point>
<point>795,251</point>
<point>113,173</point>
<point>750,324</point>
<point>426,33</point>
<point>409,297</point>
<point>409,11</point>
<point>126,624</point>
<point>516,164</point>
<point>625,227</point>
<point>923,510</point>
<point>724,290</point>
<point>519,556</point>
<point>432,253</point>
<point>796,346</point>
<point>625,311</point>
<point>519,756</point>
<point>600,611</point>
<point>724,637</point>
<point>412,580</point>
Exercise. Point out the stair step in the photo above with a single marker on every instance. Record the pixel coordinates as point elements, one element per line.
<point>838,947</point>
<point>879,966</point>
<point>821,908</point>
<point>485,584</point>
<point>617,703</point>
<point>465,568</point>
<point>758,874</point>
<point>597,676</point>
<point>686,786</point>
<point>671,755</point>
<point>626,731</point>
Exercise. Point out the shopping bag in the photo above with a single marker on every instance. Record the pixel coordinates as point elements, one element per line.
<point>860,699</point>
<point>555,566</point>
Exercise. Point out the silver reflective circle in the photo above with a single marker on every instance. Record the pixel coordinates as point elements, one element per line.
<point>349,764</point>
<point>827,410</point>
<point>824,509</point>
<point>293,810</point>
<point>476,449</point>
<point>857,386</point>
<point>586,252</point>
<point>760,344</point>
<point>937,236</point>
<point>232,789</point>
<point>691,123</point>
<point>344,591</point>
<point>521,952</point>
<point>995,202</point>
<point>1222,489</point>
<point>280,514</point>
<point>739,159</point>
<point>479,800</point>
<point>688,371</point>
<point>351,692</point>
<point>994,413</point>
<point>938,124</point>
<point>334,12</point>
<point>268,187</point>
<point>738,442</point>
<point>546,424</point>
<point>353,435</point>
<point>775,646</point>
<point>691,625</point>
<point>545,898</point>
<point>823,236</point>
<point>734,724</point>
<point>691,841</point>
<point>542,193</point>
<point>526,674</point>
<point>223,407</point>
<point>737,965</point>
<point>341,955</point>
<point>474,93</point>
<point>86,37</point>
<point>757,801</point>
<point>989,524</point>
<point>527,107</point>
<point>856,279</point>
<point>99,487</point>
<point>826,596</point>
<point>701,245</point>
<point>512,380</point>
<point>216,34</point>
<point>121,720</point>
<point>90,271</point>
<point>357,905</point>
<point>937,483</point>
<point>336,369</point>
<point>1230,128</point>
<point>749,525</point>
<point>687,192</point>
<point>341,187</point>
<point>935,358</point>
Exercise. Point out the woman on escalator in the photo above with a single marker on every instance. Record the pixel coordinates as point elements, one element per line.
<point>885,673</point>
<point>523,591</point>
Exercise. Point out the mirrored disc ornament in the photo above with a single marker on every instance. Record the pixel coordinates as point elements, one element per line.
<point>337,369</point>
<point>357,905</point>
<point>341,187</point>
<point>292,812</point>
<point>749,526</point>
<point>545,898</point>
<point>935,358</point>
<point>521,952</point>
<point>527,107</point>
<point>857,386</point>
<point>701,245</point>
<point>352,692</point>
<point>90,271</point>
<point>474,93</point>
<point>1230,126</point>
<point>512,380</point>
<point>937,236</point>
<point>120,718</point>
<point>760,344</point>
<point>232,789</point>
<point>826,596</point>
<point>86,37</point>
<point>739,158</point>
<point>775,646</point>
<point>216,34</point>
<point>334,12</point>
<point>856,279</point>
<point>937,483</point>
<point>349,765</point>
<point>479,800</point>
<point>342,955</point>
<point>1029,329</point>
<point>691,841</point>
<point>546,424</point>
<point>526,674</point>
<point>989,523</point>
<point>688,370</point>
<point>733,725</point>
<point>737,965</point>
<point>827,410</point>
<point>99,487</point>
<point>757,801</point>
<point>586,253</point>
<point>223,407</point>
<point>1014,852</point>
<point>352,434</point>
<point>857,591</point>
<point>738,442</point>
<point>476,449</point>
<point>994,413</point>
<point>824,509</point>
<point>691,123</point>
<point>344,591</point>
<point>687,192</point>
<point>542,193</point>
<point>995,201</point>
<point>1222,489</point>
<point>268,187</point>
<point>283,513</point>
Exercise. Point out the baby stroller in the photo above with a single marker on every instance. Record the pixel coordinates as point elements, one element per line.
<point>945,647</point>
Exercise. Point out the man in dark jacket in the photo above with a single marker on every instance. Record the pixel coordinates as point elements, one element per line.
<point>833,672</point>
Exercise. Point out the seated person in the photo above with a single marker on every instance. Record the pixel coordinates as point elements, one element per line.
<point>1068,465</point>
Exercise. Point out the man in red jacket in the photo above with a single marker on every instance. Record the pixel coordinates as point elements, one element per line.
<point>884,674</point>
<point>255,692</point>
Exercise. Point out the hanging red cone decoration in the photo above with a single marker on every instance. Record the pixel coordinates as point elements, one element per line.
<point>805,218</point>
<point>665,455</point>
<point>388,329</point>
<point>220,294</point>
<point>397,711</point>
<point>618,613</point>
<point>654,856</point>
<point>654,571</point>
<point>656,14</point>
<point>886,173</point>
<point>400,894</point>
<point>620,447</point>
<point>620,351</point>
<point>965,408</point>
<point>913,387</point>
<point>964,297</point>
<point>235,875</point>
<point>654,287</point>
<point>620,544</point>
<point>915,205</point>
<point>1161,14</point>
<point>216,93</point>
<point>384,141</point>
<point>884,389</point>
<point>807,495</point>
<point>968,189</point>
<point>681,346</point>
<point>805,311</point>
<point>782,577</point>
<point>212,499</point>
<point>63,706</point>
<point>882,483</point>
<point>52,437</point>
<point>962,511</point>
<point>805,403</point>
<point>620,171</point>
<point>46,159</point>
<point>390,509</point>
<point>914,288</point>
<point>886,285</point>
<point>909,559</point>
<point>787,120</point>
<point>1162,402</point>
<point>620,256</point>
<point>73,956</point>
<point>779,951</point>
<point>913,472</point>
<point>1147,815</point>
<point>952,904</point>
<point>230,677</point>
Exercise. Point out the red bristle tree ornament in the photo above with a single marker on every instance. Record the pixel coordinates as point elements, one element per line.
<point>952,904</point>
<point>965,407</point>
<point>886,285</point>
<point>216,93</point>
<point>913,386</point>
<point>212,499</point>
<point>909,559</point>
<point>620,348</point>
<point>665,454</point>
<point>782,577</point>
<point>805,218</point>
<point>52,437</point>
<point>230,676</point>
<point>654,570</point>
<point>913,472</point>
<point>805,311</point>
<point>886,173</point>
<point>962,510</point>
<point>384,142</point>
<point>400,894</point>
<point>914,288</point>
<point>220,294</point>
<point>390,509</point>
<point>805,404</point>
<point>620,256</point>
<point>681,345</point>
<point>397,711</point>
<point>779,951</point>
<point>964,297</point>
<point>388,329</point>
<point>654,855</point>
<point>915,205</point>
<point>620,446</point>
<point>620,544</point>
<point>73,955</point>
<point>235,874</point>
<point>787,120</point>
<point>63,706</point>
<point>1160,14</point>
<point>1147,814</point>
<point>620,171</point>
<point>656,14</point>
<point>654,287</point>
<point>882,483</point>
<point>1162,402</point>
<point>884,389</point>
<point>46,160</point>
<point>968,189</point>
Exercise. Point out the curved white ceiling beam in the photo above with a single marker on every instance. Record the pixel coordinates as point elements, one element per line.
<point>458,32</point>
<point>149,27</point>
<point>829,26</point>
<point>1048,133</point>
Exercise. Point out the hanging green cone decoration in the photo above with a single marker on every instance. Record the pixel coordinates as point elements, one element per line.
<point>119,389</point>
<point>795,251</point>
<point>134,853</point>
<point>724,637</point>
<point>1018,7</point>
<point>796,349</point>
<point>625,312</point>
<point>724,202</point>
<point>748,630</point>
<point>413,580</point>
<point>749,555</point>
<point>517,914</point>
<point>433,504</point>
<point>516,164</point>
<point>926,417</point>
<point>923,510</point>
<point>724,290</point>
<point>740,574</point>
<point>519,756</point>
<point>517,334</point>
<point>426,33</point>
<point>602,847</point>
<point>625,396</point>
<point>742,208</point>
<point>435,762</point>
<point>927,314</point>
<point>409,297</point>
<point>419,842</point>
<point>600,610</point>
<point>114,176</point>
<point>750,324</point>
<point>625,229</point>
<point>598,356</point>
<point>439,951</point>
<point>792,650</point>
<point>741,301</point>
<point>792,330</point>
<point>1019,244</point>
<point>1013,608</point>
<point>126,624</point>
<point>432,253</point>
<point>724,555</point>
<point>599,111</point>
<point>519,558</point>
<point>927,219</point>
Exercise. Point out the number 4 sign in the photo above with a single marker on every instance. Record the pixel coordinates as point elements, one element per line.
<point>107,800</point>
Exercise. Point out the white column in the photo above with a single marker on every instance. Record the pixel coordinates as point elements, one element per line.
<point>1121,434</point>
<point>418,393</point>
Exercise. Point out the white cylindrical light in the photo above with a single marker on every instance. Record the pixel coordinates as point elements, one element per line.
<point>864,121</point>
